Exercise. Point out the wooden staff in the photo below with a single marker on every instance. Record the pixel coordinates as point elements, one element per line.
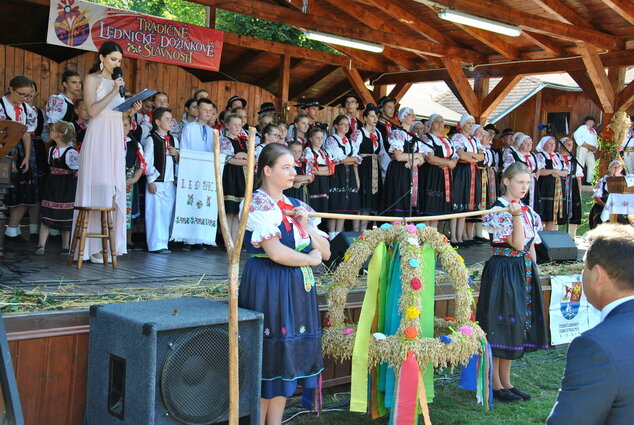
<point>401,219</point>
<point>233,249</point>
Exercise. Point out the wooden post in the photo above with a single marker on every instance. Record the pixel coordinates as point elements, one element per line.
<point>210,17</point>
<point>233,249</point>
<point>285,81</point>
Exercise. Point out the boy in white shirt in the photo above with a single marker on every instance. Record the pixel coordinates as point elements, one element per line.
<point>197,135</point>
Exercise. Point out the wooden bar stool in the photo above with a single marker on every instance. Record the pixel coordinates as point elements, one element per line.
<point>81,233</point>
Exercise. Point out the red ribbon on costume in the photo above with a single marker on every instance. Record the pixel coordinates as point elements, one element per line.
<point>287,225</point>
<point>167,144</point>
<point>83,125</point>
<point>353,124</point>
<point>242,141</point>
<point>344,140</point>
<point>18,112</point>
<point>375,140</point>
<point>141,159</point>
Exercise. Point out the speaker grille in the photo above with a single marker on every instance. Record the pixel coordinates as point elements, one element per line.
<point>195,376</point>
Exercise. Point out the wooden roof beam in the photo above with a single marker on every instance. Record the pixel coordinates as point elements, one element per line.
<point>335,93</point>
<point>546,43</point>
<point>583,80</point>
<point>493,41</point>
<point>464,91</point>
<point>536,23</point>
<point>373,60</point>
<point>404,59</point>
<point>614,58</point>
<point>399,91</point>
<point>304,86</point>
<point>499,92</point>
<point>559,9</point>
<point>412,21</point>
<point>245,60</point>
<point>597,74</point>
<point>271,77</point>
<point>316,22</point>
<point>625,8</point>
<point>357,83</point>
<point>625,99</point>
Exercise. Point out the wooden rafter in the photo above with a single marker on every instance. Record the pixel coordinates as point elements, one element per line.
<point>285,81</point>
<point>583,80</point>
<point>614,58</point>
<point>464,89</point>
<point>246,61</point>
<point>335,93</point>
<point>625,8</point>
<point>499,92</point>
<point>324,23</point>
<point>271,77</point>
<point>404,59</point>
<point>536,23</point>
<point>625,98</point>
<point>306,85</point>
<point>373,61</point>
<point>546,43</point>
<point>597,74</point>
<point>493,41</point>
<point>358,85</point>
<point>559,9</point>
<point>399,91</point>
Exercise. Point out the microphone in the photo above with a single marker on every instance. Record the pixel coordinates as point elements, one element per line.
<point>117,72</point>
<point>544,126</point>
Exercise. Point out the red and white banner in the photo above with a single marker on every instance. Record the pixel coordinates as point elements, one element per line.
<point>84,25</point>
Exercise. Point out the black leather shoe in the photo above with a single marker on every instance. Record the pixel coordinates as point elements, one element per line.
<point>522,394</point>
<point>506,396</point>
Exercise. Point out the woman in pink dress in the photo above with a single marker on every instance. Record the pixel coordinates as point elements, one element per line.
<point>101,179</point>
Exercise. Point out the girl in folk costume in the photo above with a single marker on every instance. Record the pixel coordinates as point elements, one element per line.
<point>401,188</point>
<point>58,198</point>
<point>278,281</point>
<point>101,178</point>
<point>301,125</point>
<point>370,144</point>
<point>190,115</point>
<point>21,196</point>
<point>572,188</point>
<point>322,167</point>
<point>601,193</point>
<point>436,194</point>
<point>80,123</point>
<point>352,105</point>
<point>135,167</point>
<point>61,106</point>
<point>283,127</point>
<point>304,175</point>
<point>343,196</point>
<point>466,176</point>
<point>520,151</point>
<point>270,134</point>
<point>234,145</point>
<point>161,157</point>
<point>510,307</point>
<point>550,183</point>
<point>242,113</point>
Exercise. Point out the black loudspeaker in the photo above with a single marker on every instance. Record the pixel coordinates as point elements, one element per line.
<point>165,362</point>
<point>556,246</point>
<point>339,246</point>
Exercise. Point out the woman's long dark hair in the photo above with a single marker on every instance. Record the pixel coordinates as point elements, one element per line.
<point>105,49</point>
<point>268,157</point>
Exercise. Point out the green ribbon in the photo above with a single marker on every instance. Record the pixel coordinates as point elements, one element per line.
<point>428,275</point>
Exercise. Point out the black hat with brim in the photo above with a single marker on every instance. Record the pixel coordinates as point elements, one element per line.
<point>384,100</point>
<point>361,106</point>
<point>507,131</point>
<point>312,101</point>
<point>492,127</point>
<point>301,102</point>
<point>267,107</point>
<point>234,98</point>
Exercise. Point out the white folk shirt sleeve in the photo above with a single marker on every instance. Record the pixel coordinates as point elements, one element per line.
<point>584,135</point>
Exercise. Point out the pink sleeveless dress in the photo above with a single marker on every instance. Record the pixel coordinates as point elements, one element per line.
<point>101,178</point>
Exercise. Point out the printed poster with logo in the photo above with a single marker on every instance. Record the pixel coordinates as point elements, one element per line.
<point>86,26</point>
<point>196,210</point>
<point>570,312</point>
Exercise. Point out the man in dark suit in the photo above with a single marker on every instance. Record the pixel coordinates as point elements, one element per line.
<point>598,384</point>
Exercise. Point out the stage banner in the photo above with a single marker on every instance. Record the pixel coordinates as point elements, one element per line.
<point>196,211</point>
<point>570,312</point>
<point>86,26</point>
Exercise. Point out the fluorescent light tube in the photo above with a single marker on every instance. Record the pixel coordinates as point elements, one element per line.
<point>343,41</point>
<point>478,22</point>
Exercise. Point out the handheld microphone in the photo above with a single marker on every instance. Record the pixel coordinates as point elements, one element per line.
<point>117,72</point>
<point>543,126</point>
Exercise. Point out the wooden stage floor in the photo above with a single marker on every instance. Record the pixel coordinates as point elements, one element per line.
<point>21,269</point>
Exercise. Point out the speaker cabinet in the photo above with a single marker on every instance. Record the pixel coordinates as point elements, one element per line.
<point>165,362</point>
<point>338,247</point>
<point>556,246</point>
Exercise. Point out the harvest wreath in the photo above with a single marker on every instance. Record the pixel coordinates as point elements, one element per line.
<point>455,340</point>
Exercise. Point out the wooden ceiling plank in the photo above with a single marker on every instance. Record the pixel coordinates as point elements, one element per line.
<point>583,80</point>
<point>493,41</point>
<point>245,61</point>
<point>625,98</point>
<point>614,58</point>
<point>597,74</point>
<point>317,22</point>
<point>499,92</point>
<point>546,43</point>
<point>562,11</point>
<point>373,60</point>
<point>412,21</point>
<point>306,85</point>
<point>465,91</point>
<point>399,91</point>
<point>335,93</point>
<point>358,85</point>
<point>492,9</point>
<point>625,8</point>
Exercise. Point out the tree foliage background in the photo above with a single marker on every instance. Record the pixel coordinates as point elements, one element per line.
<point>195,14</point>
